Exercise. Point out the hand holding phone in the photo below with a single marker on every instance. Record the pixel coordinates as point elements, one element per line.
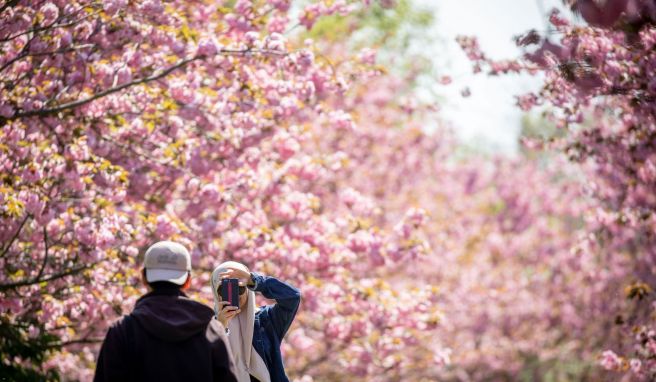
<point>226,312</point>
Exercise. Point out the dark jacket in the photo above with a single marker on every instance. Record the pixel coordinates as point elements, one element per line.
<point>168,337</point>
<point>273,321</point>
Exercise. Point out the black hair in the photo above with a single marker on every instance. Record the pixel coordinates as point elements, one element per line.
<point>159,285</point>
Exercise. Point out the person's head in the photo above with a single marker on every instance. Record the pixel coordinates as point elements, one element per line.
<point>216,283</point>
<point>167,264</point>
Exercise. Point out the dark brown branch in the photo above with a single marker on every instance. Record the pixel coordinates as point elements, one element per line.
<point>149,158</point>
<point>24,51</point>
<point>55,24</point>
<point>12,61</point>
<point>13,238</point>
<point>83,341</point>
<point>74,104</point>
<point>153,77</point>
<point>60,51</point>
<point>80,341</point>
<point>45,255</point>
<point>36,280</point>
<point>51,52</point>
<point>10,3</point>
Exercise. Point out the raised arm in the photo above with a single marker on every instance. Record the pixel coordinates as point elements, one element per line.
<point>287,297</point>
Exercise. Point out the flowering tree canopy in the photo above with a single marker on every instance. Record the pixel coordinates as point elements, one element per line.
<point>600,88</point>
<point>128,122</point>
<point>270,133</point>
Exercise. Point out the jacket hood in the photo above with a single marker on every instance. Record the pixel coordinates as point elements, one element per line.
<point>170,316</point>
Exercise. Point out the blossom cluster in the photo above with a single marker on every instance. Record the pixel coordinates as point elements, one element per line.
<point>599,89</point>
<point>122,123</point>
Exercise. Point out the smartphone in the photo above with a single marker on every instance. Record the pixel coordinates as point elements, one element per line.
<point>230,291</point>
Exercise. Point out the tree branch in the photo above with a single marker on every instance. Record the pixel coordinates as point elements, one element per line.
<point>153,77</point>
<point>55,24</point>
<point>73,342</point>
<point>18,231</point>
<point>59,51</point>
<point>83,341</point>
<point>10,3</point>
<point>36,280</point>
<point>24,52</point>
<point>45,255</point>
<point>104,93</point>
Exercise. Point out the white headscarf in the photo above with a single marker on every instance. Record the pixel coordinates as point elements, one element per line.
<point>247,360</point>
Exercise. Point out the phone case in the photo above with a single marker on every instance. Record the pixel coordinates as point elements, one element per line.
<point>230,291</point>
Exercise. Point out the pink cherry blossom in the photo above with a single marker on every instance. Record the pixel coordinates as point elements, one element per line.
<point>50,13</point>
<point>308,160</point>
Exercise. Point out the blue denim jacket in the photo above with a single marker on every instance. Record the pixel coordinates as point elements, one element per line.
<point>273,321</point>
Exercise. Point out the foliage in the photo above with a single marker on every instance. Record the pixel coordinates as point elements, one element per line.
<point>129,122</point>
<point>287,142</point>
<point>600,88</point>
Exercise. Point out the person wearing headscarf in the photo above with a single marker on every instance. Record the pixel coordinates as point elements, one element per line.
<point>255,334</point>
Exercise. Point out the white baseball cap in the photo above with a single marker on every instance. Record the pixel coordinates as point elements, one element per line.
<point>167,261</point>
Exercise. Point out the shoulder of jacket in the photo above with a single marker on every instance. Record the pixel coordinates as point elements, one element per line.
<point>121,322</point>
<point>119,330</point>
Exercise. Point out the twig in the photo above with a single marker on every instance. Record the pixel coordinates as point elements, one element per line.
<point>59,51</point>
<point>54,345</point>
<point>45,255</point>
<point>104,93</point>
<point>22,54</point>
<point>54,25</point>
<point>153,77</point>
<point>35,280</point>
<point>10,3</point>
<point>18,231</point>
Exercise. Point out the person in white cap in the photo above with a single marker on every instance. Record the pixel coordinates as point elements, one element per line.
<point>167,337</point>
